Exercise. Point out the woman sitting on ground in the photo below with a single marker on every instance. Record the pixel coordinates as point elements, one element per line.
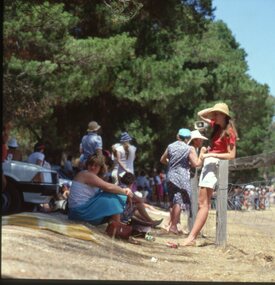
<point>135,207</point>
<point>94,200</point>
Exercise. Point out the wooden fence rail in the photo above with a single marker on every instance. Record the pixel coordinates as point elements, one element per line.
<point>254,161</point>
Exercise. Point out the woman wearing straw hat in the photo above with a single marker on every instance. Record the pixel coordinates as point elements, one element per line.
<point>223,146</point>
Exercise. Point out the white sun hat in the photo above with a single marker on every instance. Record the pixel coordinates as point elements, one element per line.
<point>196,135</point>
<point>13,143</point>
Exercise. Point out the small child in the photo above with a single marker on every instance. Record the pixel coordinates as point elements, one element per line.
<point>135,211</point>
<point>126,180</point>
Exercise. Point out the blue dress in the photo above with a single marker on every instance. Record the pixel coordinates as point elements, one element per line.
<point>92,205</point>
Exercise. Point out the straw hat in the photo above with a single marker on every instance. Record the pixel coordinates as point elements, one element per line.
<point>219,107</point>
<point>196,135</point>
<point>13,143</point>
<point>93,126</point>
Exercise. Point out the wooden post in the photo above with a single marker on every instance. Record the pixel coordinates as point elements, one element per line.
<point>221,211</point>
<point>194,200</point>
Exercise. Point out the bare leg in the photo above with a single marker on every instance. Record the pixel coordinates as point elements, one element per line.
<point>175,216</point>
<point>143,213</point>
<point>204,201</point>
<point>115,218</point>
<point>169,221</point>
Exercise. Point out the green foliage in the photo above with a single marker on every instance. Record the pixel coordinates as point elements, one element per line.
<point>39,29</point>
<point>88,66</point>
<point>130,65</point>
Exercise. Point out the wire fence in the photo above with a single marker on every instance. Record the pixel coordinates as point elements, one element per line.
<point>256,195</point>
<point>250,218</point>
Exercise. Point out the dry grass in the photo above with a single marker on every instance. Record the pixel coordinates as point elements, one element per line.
<point>249,256</point>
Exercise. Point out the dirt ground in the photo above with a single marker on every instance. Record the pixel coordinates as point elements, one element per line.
<point>249,256</point>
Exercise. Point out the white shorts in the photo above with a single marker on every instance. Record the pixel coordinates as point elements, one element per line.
<point>209,173</point>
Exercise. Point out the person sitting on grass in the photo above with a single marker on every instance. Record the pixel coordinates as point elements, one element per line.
<point>135,207</point>
<point>94,200</point>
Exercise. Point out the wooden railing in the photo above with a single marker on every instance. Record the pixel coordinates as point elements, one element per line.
<point>254,161</point>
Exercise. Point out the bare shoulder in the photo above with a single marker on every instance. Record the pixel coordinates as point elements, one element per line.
<point>84,176</point>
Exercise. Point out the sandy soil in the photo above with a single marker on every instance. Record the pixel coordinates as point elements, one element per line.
<point>249,256</point>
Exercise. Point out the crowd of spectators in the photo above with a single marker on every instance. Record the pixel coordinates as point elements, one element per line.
<point>249,197</point>
<point>151,184</point>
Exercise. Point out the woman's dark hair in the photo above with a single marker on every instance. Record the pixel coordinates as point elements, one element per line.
<point>142,173</point>
<point>39,146</point>
<point>128,178</point>
<point>97,159</point>
<point>225,132</point>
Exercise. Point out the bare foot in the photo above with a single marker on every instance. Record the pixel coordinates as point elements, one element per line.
<point>175,231</point>
<point>188,242</point>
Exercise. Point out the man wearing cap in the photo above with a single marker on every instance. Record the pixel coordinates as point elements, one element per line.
<point>91,143</point>
<point>179,155</point>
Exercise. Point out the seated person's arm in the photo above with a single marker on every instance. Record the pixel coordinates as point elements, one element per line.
<point>94,180</point>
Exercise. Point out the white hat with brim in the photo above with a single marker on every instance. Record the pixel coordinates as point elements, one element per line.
<point>196,135</point>
<point>219,107</point>
<point>13,143</point>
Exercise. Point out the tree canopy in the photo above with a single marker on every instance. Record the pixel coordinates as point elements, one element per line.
<point>143,66</point>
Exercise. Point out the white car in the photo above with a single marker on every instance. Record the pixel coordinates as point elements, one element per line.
<point>27,183</point>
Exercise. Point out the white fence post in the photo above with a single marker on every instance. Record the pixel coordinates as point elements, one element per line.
<point>194,200</point>
<point>221,210</point>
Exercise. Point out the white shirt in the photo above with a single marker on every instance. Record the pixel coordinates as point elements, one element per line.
<point>127,162</point>
<point>115,166</point>
<point>33,157</point>
<point>80,193</point>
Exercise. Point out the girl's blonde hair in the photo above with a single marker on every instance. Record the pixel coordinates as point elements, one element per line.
<point>126,148</point>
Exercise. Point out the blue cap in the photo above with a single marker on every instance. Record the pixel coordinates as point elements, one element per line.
<point>185,133</point>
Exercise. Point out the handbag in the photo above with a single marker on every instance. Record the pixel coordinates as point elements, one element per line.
<point>119,230</point>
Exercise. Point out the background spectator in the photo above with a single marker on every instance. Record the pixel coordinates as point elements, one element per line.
<point>91,143</point>
<point>13,152</point>
<point>37,156</point>
<point>126,154</point>
<point>68,167</point>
